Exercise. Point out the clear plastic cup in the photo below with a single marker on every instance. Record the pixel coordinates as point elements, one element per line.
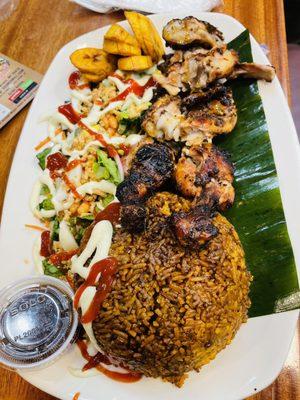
<point>38,322</point>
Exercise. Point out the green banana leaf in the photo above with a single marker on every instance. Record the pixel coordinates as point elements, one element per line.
<point>257,213</point>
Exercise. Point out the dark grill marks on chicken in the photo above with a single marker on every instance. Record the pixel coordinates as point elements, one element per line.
<point>206,173</point>
<point>213,112</point>
<point>190,31</point>
<point>194,228</point>
<point>152,166</point>
<point>134,217</point>
<point>214,92</point>
<point>128,159</point>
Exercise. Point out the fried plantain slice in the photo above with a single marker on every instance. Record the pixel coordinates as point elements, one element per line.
<point>93,61</point>
<point>118,34</point>
<point>135,63</point>
<point>146,34</point>
<point>92,77</point>
<point>120,48</point>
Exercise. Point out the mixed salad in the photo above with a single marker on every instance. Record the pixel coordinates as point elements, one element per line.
<point>82,159</point>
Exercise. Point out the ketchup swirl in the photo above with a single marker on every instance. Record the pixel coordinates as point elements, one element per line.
<point>107,267</point>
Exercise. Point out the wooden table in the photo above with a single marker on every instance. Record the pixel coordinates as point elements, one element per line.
<point>34,34</point>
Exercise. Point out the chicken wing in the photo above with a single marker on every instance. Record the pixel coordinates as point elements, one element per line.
<point>196,68</point>
<point>152,166</point>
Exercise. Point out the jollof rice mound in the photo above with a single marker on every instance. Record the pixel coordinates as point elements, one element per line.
<point>171,310</point>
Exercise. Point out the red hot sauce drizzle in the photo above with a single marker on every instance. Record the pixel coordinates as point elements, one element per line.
<point>94,362</point>
<point>71,186</point>
<point>133,87</point>
<point>74,79</point>
<point>73,164</point>
<point>125,148</point>
<point>68,111</point>
<point>58,161</point>
<point>58,258</point>
<point>108,268</point>
<point>96,135</point>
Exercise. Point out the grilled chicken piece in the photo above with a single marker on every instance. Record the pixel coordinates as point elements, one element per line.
<point>201,71</point>
<point>217,115</point>
<point>134,217</point>
<point>211,93</point>
<point>205,172</point>
<point>127,160</point>
<point>218,193</point>
<point>194,228</point>
<point>190,31</point>
<point>255,71</point>
<point>197,69</point>
<point>196,118</point>
<point>164,118</point>
<point>152,166</point>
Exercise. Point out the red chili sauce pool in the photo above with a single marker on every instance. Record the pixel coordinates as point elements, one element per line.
<point>74,79</point>
<point>46,244</point>
<point>56,161</point>
<point>111,213</point>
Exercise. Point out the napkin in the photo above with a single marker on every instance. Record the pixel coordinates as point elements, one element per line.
<point>150,6</point>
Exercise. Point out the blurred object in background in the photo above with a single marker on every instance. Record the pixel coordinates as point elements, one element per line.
<point>7,7</point>
<point>292,13</point>
<point>149,6</point>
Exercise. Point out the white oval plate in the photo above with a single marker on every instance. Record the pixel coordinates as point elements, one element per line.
<point>257,354</point>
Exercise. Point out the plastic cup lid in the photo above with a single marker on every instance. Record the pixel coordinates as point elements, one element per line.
<point>37,321</point>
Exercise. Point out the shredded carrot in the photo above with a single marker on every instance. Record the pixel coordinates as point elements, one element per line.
<point>36,227</point>
<point>47,140</point>
<point>76,396</point>
<point>42,143</point>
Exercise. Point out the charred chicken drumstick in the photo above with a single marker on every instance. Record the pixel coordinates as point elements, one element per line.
<point>152,166</point>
